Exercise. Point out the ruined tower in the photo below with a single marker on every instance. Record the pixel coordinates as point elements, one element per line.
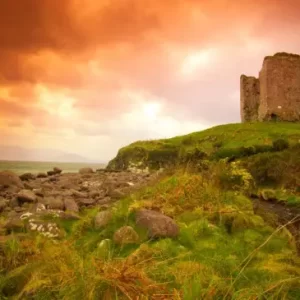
<point>276,94</point>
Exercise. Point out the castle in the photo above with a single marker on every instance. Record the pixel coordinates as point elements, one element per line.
<point>275,95</point>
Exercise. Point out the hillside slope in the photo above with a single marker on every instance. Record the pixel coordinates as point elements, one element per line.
<point>231,140</point>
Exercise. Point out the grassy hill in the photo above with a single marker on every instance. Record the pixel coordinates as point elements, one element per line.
<point>232,140</point>
<point>224,250</point>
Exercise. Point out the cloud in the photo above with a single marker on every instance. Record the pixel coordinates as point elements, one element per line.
<point>92,77</point>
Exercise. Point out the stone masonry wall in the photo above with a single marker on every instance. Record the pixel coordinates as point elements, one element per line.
<point>280,88</point>
<point>249,98</point>
<point>276,94</point>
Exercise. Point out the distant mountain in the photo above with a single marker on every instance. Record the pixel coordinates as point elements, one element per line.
<point>25,154</point>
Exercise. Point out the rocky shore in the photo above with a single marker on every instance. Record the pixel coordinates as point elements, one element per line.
<point>31,202</point>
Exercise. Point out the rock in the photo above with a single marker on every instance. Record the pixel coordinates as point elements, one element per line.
<point>94,194</point>
<point>105,200</point>
<point>26,196</point>
<point>13,202</point>
<point>27,176</point>
<point>8,178</point>
<point>38,192</point>
<point>157,224</point>
<point>116,194</point>
<point>126,235</point>
<point>67,184</point>
<point>50,173</point>
<point>57,170</point>
<point>78,194</point>
<point>28,186</point>
<point>41,175</point>
<point>71,205</point>
<point>3,204</point>
<point>102,219</point>
<point>15,224</point>
<point>86,171</point>
<point>19,209</point>
<point>86,201</point>
<point>55,203</point>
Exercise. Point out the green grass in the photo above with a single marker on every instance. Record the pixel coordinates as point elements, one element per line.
<point>223,251</point>
<point>220,141</point>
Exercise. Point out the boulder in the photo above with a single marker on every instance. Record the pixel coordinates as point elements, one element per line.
<point>126,235</point>
<point>26,196</point>
<point>8,178</point>
<point>27,176</point>
<point>116,194</point>
<point>55,203</point>
<point>78,194</point>
<point>86,171</point>
<point>39,192</point>
<point>157,224</point>
<point>86,201</point>
<point>50,173</point>
<point>41,175</point>
<point>71,205</point>
<point>15,224</point>
<point>57,170</point>
<point>3,204</point>
<point>102,219</point>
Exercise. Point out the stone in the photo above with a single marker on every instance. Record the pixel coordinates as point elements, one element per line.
<point>86,201</point>
<point>116,194</point>
<point>39,192</point>
<point>86,171</point>
<point>78,194</point>
<point>94,194</point>
<point>275,95</point>
<point>50,173</point>
<point>71,205</point>
<point>8,178</point>
<point>41,175</point>
<point>125,235</point>
<point>56,203</point>
<point>3,204</point>
<point>26,196</point>
<point>102,219</point>
<point>14,225</point>
<point>27,176</point>
<point>57,170</point>
<point>157,224</point>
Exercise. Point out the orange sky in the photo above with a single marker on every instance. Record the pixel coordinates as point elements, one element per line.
<point>91,76</point>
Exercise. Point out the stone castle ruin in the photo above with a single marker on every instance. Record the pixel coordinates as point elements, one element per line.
<point>275,95</point>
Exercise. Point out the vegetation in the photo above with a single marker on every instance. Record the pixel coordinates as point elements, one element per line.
<point>226,141</point>
<point>223,251</point>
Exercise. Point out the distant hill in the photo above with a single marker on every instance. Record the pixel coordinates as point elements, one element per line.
<point>26,154</point>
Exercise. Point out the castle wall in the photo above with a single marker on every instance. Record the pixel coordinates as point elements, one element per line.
<point>280,88</point>
<point>249,88</point>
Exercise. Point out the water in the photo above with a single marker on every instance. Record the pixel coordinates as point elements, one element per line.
<point>21,167</point>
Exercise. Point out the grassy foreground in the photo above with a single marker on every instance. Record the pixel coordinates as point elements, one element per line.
<point>223,251</point>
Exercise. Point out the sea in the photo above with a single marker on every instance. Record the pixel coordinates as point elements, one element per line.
<point>34,167</point>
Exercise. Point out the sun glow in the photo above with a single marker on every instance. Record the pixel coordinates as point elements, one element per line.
<point>151,110</point>
<point>194,62</point>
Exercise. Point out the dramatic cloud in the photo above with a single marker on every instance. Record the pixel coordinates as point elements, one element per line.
<point>91,76</point>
